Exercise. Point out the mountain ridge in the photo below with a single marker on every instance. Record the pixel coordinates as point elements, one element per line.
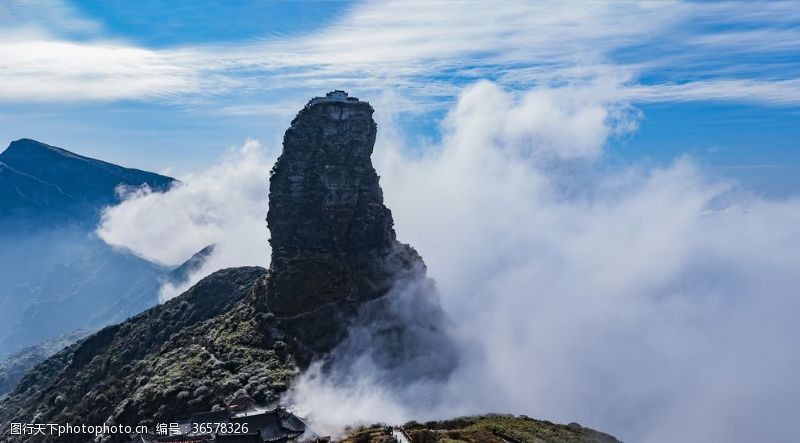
<point>57,274</point>
<point>17,365</point>
<point>43,182</point>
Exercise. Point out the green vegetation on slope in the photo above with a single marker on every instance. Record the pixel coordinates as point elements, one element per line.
<point>491,428</point>
<point>502,428</point>
<point>191,354</point>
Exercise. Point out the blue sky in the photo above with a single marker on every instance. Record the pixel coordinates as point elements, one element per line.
<point>170,88</point>
<point>569,201</point>
<point>150,23</point>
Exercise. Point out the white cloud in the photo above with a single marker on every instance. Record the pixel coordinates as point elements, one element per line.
<point>225,205</point>
<point>563,123</point>
<point>38,67</point>
<point>655,304</point>
<point>428,50</point>
<point>778,92</point>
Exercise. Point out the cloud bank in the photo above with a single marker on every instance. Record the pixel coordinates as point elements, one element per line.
<point>225,206</point>
<point>656,304</point>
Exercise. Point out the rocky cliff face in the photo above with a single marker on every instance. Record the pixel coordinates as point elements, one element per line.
<point>333,245</point>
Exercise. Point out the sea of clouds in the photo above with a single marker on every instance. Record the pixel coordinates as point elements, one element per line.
<point>653,303</point>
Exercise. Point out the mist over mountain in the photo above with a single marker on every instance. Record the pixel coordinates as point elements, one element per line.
<point>341,292</point>
<point>57,275</point>
<point>606,196</point>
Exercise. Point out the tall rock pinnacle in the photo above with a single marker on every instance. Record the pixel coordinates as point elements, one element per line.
<point>333,246</point>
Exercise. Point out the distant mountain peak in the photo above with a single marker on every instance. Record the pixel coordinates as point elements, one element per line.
<point>26,149</point>
<point>25,144</point>
<point>48,184</point>
<point>25,152</point>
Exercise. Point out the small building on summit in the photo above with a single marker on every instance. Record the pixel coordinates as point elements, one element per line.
<point>336,95</point>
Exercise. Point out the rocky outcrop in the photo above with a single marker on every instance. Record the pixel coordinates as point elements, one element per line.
<point>333,245</point>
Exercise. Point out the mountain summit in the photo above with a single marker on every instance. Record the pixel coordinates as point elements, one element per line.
<point>326,214</point>
<point>51,184</point>
<point>333,245</point>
